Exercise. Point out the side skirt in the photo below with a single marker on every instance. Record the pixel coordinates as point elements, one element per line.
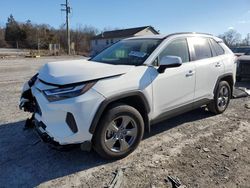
<point>179,110</point>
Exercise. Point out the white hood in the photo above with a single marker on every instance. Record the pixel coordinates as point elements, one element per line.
<point>73,71</point>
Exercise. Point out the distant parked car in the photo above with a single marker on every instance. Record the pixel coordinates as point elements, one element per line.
<point>239,51</point>
<point>243,68</point>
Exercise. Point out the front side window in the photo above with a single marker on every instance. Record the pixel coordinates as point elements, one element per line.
<point>202,48</point>
<point>128,52</point>
<point>178,47</point>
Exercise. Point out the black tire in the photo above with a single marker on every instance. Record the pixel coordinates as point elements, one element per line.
<point>238,78</point>
<point>214,107</point>
<point>112,115</point>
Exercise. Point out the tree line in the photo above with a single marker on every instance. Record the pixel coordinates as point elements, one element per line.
<point>38,36</point>
<point>234,39</point>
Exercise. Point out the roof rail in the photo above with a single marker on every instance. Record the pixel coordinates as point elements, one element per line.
<point>180,33</point>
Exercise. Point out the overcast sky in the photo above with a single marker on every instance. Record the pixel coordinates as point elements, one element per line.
<point>210,16</point>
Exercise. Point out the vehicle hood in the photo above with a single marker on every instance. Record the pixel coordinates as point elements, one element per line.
<point>239,54</point>
<point>244,58</point>
<point>74,71</point>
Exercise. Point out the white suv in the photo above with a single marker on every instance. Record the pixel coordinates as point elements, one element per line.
<point>109,100</point>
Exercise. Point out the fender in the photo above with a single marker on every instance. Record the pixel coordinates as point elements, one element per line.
<point>221,77</point>
<point>114,98</point>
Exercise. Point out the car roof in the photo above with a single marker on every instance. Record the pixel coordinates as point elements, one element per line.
<point>184,34</point>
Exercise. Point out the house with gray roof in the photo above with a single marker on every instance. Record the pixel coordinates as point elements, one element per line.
<point>107,38</point>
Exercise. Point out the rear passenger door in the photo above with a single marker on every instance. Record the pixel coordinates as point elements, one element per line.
<point>208,67</point>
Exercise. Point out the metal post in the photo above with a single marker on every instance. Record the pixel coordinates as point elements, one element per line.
<point>67,21</point>
<point>38,42</point>
<point>67,10</point>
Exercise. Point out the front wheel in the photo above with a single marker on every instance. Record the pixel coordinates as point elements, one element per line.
<point>221,98</point>
<point>119,132</point>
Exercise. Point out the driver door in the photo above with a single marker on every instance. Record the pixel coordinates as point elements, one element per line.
<point>174,88</point>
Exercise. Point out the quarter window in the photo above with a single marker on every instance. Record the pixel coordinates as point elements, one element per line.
<point>201,48</point>
<point>178,47</point>
<point>217,48</point>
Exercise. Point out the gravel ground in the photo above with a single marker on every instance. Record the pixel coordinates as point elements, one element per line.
<point>200,149</point>
<point>11,52</point>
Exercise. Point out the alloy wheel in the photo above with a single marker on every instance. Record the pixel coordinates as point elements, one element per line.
<point>121,133</point>
<point>223,98</point>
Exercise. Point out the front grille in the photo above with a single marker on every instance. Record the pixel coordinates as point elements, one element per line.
<point>245,67</point>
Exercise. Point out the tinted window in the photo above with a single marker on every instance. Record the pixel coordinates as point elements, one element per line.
<point>201,48</point>
<point>241,50</point>
<point>217,48</point>
<point>247,53</point>
<point>178,47</point>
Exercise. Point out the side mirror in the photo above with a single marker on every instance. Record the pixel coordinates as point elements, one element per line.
<point>169,62</point>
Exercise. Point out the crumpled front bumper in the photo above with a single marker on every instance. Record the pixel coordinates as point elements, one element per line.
<point>40,130</point>
<point>58,116</point>
<point>49,140</point>
<point>63,122</point>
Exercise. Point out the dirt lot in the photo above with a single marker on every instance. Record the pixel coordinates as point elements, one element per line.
<point>200,149</point>
<point>11,52</point>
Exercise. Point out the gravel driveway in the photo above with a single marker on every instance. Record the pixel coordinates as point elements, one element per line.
<point>200,149</point>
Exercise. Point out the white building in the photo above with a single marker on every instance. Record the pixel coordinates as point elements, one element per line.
<point>107,38</point>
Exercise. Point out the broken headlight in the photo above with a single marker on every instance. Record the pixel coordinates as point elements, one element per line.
<point>67,92</point>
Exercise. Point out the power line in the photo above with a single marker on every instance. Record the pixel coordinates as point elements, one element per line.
<point>67,9</point>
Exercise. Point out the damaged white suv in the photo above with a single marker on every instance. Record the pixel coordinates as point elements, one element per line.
<point>109,100</point>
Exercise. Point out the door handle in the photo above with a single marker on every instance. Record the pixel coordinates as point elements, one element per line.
<point>218,64</point>
<point>190,73</point>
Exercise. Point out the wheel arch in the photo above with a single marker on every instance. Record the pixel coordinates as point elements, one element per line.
<point>228,78</point>
<point>135,99</point>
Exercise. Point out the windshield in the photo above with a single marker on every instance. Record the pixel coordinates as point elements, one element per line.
<point>128,52</point>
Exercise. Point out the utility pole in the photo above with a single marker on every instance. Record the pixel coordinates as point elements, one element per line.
<point>67,10</point>
<point>38,42</point>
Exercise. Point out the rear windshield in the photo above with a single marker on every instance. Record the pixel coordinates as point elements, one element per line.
<point>128,52</point>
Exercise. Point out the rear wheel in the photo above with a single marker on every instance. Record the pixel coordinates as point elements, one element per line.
<point>119,132</point>
<point>221,98</point>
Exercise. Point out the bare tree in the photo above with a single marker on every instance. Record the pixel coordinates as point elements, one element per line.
<point>81,36</point>
<point>2,36</point>
<point>231,38</point>
<point>39,36</point>
<point>246,40</point>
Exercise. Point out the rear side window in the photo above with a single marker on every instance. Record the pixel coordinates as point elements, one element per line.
<point>178,47</point>
<point>217,48</point>
<point>202,48</point>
